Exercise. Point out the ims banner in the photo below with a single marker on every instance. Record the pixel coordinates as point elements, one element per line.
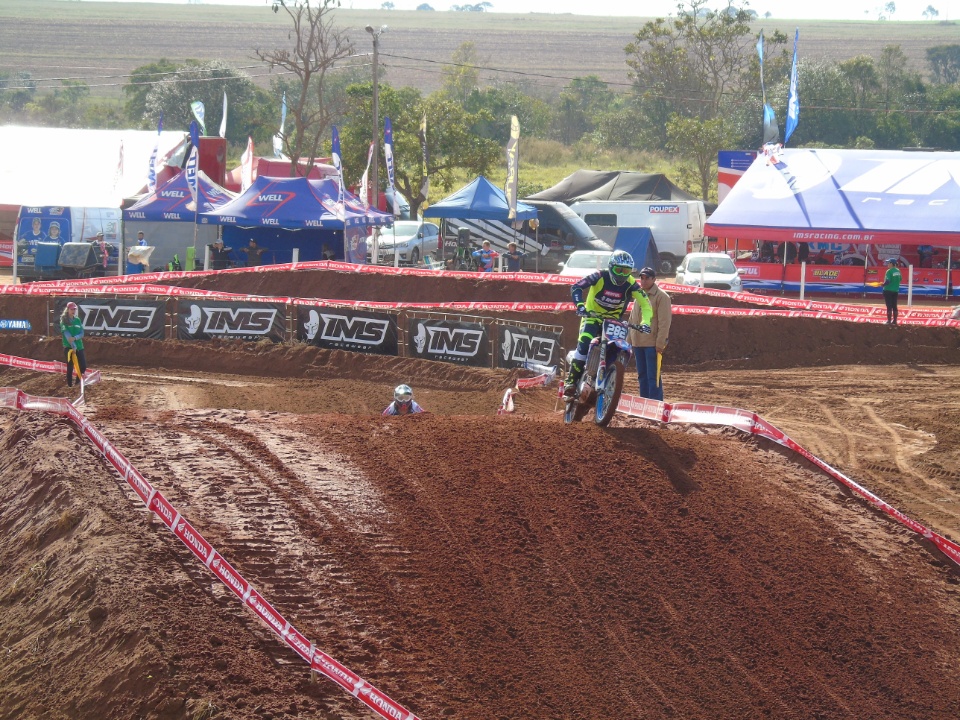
<point>456,342</point>
<point>342,329</point>
<point>519,345</point>
<point>118,318</point>
<point>208,319</point>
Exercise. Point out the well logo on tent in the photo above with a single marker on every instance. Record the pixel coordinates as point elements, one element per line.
<point>270,197</point>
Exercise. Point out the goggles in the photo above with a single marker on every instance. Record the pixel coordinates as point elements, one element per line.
<point>621,270</point>
<point>404,399</point>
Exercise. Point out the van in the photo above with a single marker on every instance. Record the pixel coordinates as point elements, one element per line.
<point>677,225</point>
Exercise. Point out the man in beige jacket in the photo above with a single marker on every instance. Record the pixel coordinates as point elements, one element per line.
<point>648,349</point>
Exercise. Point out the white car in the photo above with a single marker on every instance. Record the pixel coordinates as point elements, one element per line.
<point>583,262</point>
<point>710,270</point>
<point>412,239</point>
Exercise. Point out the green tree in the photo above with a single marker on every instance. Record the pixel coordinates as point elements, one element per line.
<point>17,90</point>
<point>944,61</point>
<point>861,74</point>
<point>453,147</point>
<point>142,80</point>
<point>462,77</point>
<point>579,106</point>
<point>318,45</point>
<point>690,65</point>
<point>205,81</point>
<point>500,102</point>
<point>699,141</point>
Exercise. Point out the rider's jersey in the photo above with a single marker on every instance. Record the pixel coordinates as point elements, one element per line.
<point>609,300</point>
<point>395,409</point>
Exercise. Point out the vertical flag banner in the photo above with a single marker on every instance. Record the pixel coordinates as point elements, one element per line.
<point>425,186</point>
<point>793,99</point>
<point>199,113</point>
<point>364,194</point>
<point>513,167</point>
<point>152,171</point>
<point>338,164</point>
<point>194,134</point>
<point>771,132</point>
<point>246,166</point>
<point>388,156</point>
<point>278,138</point>
<point>191,171</point>
<point>223,120</point>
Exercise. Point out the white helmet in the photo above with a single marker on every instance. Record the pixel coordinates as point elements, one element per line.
<point>403,394</point>
<point>621,260</point>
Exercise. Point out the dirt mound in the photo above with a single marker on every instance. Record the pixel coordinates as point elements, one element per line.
<point>473,565</point>
<point>469,567</point>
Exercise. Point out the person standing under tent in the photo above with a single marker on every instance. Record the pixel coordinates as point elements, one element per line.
<point>891,290</point>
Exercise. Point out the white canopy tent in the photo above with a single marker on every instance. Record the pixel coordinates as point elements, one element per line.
<point>76,168</point>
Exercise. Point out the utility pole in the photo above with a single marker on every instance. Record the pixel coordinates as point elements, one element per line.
<point>375,183</point>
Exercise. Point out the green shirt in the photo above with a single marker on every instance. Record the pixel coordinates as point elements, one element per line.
<point>72,329</point>
<point>891,281</point>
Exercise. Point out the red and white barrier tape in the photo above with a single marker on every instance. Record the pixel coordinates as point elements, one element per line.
<point>203,550</point>
<point>752,423</point>
<point>785,307</point>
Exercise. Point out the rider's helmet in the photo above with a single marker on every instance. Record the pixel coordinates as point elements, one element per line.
<point>620,265</point>
<point>403,394</point>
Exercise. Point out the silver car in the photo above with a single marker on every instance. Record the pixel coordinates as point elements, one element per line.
<point>709,270</point>
<point>411,239</point>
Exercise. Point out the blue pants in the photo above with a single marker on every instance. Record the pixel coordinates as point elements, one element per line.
<point>646,358</point>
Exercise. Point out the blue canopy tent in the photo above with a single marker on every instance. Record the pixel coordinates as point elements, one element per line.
<point>482,208</point>
<point>286,213</point>
<point>639,242</point>
<point>170,220</point>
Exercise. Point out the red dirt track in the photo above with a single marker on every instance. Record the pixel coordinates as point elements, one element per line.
<point>476,566</point>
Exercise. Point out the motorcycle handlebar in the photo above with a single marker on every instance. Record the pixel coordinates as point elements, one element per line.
<point>597,316</point>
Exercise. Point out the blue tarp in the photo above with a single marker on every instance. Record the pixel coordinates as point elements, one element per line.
<point>861,197</point>
<point>480,200</point>
<point>638,241</point>
<point>295,203</point>
<point>173,201</point>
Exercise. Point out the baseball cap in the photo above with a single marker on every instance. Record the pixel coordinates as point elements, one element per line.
<point>648,272</point>
<point>891,261</point>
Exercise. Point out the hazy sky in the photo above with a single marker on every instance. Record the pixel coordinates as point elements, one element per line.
<point>779,9</point>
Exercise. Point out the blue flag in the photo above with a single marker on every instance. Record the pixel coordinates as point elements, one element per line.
<point>771,132</point>
<point>793,99</point>
<point>194,133</point>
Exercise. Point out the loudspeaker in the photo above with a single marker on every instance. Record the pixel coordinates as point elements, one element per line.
<point>77,255</point>
<point>463,237</point>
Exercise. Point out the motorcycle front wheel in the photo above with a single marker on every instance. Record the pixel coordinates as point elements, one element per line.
<point>608,400</point>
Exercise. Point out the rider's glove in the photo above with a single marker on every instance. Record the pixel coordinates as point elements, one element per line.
<point>582,310</point>
<point>645,329</point>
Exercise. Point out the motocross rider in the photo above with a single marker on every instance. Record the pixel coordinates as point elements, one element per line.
<point>403,403</point>
<point>608,293</point>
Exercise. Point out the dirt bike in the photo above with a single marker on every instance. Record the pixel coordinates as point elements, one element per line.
<point>602,381</point>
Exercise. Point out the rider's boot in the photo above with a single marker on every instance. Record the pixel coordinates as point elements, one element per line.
<point>573,377</point>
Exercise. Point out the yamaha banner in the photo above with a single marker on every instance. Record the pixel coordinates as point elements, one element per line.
<point>341,329</point>
<point>208,319</point>
<point>521,345</point>
<point>457,342</point>
<point>118,318</point>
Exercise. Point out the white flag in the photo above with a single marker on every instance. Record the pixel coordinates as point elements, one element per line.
<point>199,113</point>
<point>191,171</point>
<point>364,194</point>
<point>278,138</point>
<point>246,166</point>
<point>223,120</point>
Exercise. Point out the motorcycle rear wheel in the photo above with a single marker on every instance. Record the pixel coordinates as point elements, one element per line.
<point>608,400</point>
